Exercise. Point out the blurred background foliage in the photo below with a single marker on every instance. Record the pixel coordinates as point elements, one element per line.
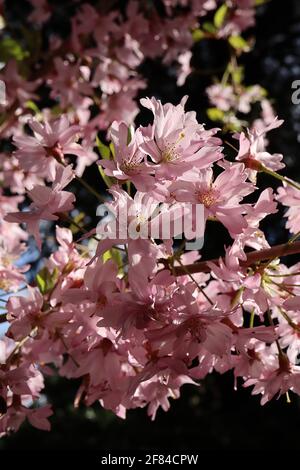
<point>214,416</point>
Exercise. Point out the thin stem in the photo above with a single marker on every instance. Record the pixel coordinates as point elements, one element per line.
<point>294,238</point>
<point>90,189</point>
<point>288,400</point>
<point>285,289</point>
<point>230,145</point>
<point>289,285</point>
<point>289,320</point>
<point>271,321</point>
<point>67,351</point>
<point>12,293</point>
<point>280,177</point>
<point>21,343</point>
<point>284,275</point>
<point>194,280</point>
<point>84,230</point>
<point>79,227</point>
<point>251,325</point>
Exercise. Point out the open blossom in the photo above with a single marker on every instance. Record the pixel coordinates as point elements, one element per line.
<point>12,246</point>
<point>252,149</point>
<point>138,218</point>
<point>176,142</point>
<point>14,178</point>
<point>129,160</point>
<point>289,336</point>
<point>227,98</point>
<point>99,283</point>
<point>15,416</point>
<point>17,90</point>
<point>185,67</point>
<point>24,313</point>
<point>290,197</point>
<point>130,313</point>
<point>240,17</point>
<point>46,204</point>
<point>42,152</point>
<point>221,96</point>
<point>252,235</point>
<point>159,383</point>
<point>70,84</point>
<point>18,384</point>
<point>275,379</point>
<point>120,106</point>
<point>221,197</point>
<point>110,76</point>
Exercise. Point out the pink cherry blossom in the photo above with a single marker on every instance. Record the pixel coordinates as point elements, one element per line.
<point>252,149</point>
<point>290,197</point>
<point>124,308</point>
<point>42,152</point>
<point>129,161</point>
<point>46,203</point>
<point>221,198</point>
<point>176,142</point>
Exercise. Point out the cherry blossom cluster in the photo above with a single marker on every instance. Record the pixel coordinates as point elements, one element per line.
<point>136,318</point>
<point>98,63</point>
<point>127,316</point>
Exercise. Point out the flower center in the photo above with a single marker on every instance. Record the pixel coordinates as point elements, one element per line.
<point>207,198</point>
<point>129,167</point>
<point>170,154</point>
<point>102,301</point>
<point>4,284</point>
<point>56,152</point>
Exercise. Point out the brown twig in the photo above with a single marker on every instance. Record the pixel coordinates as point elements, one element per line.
<point>252,258</point>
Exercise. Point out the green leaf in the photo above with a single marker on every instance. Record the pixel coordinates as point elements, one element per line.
<point>46,280</point>
<point>115,255</point>
<point>233,126</point>
<point>197,35</point>
<point>56,110</point>
<point>107,179</point>
<point>209,27</point>
<point>128,187</point>
<point>41,282</point>
<point>77,219</point>
<point>264,92</point>
<point>220,16</point>
<point>237,75</point>
<point>112,149</point>
<point>11,49</point>
<point>103,149</point>
<point>32,106</point>
<point>33,41</point>
<point>215,114</point>
<point>129,135</point>
<point>239,43</point>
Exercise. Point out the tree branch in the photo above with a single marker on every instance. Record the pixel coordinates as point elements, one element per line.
<point>252,257</point>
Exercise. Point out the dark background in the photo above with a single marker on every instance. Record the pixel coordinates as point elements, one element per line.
<point>214,416</point>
